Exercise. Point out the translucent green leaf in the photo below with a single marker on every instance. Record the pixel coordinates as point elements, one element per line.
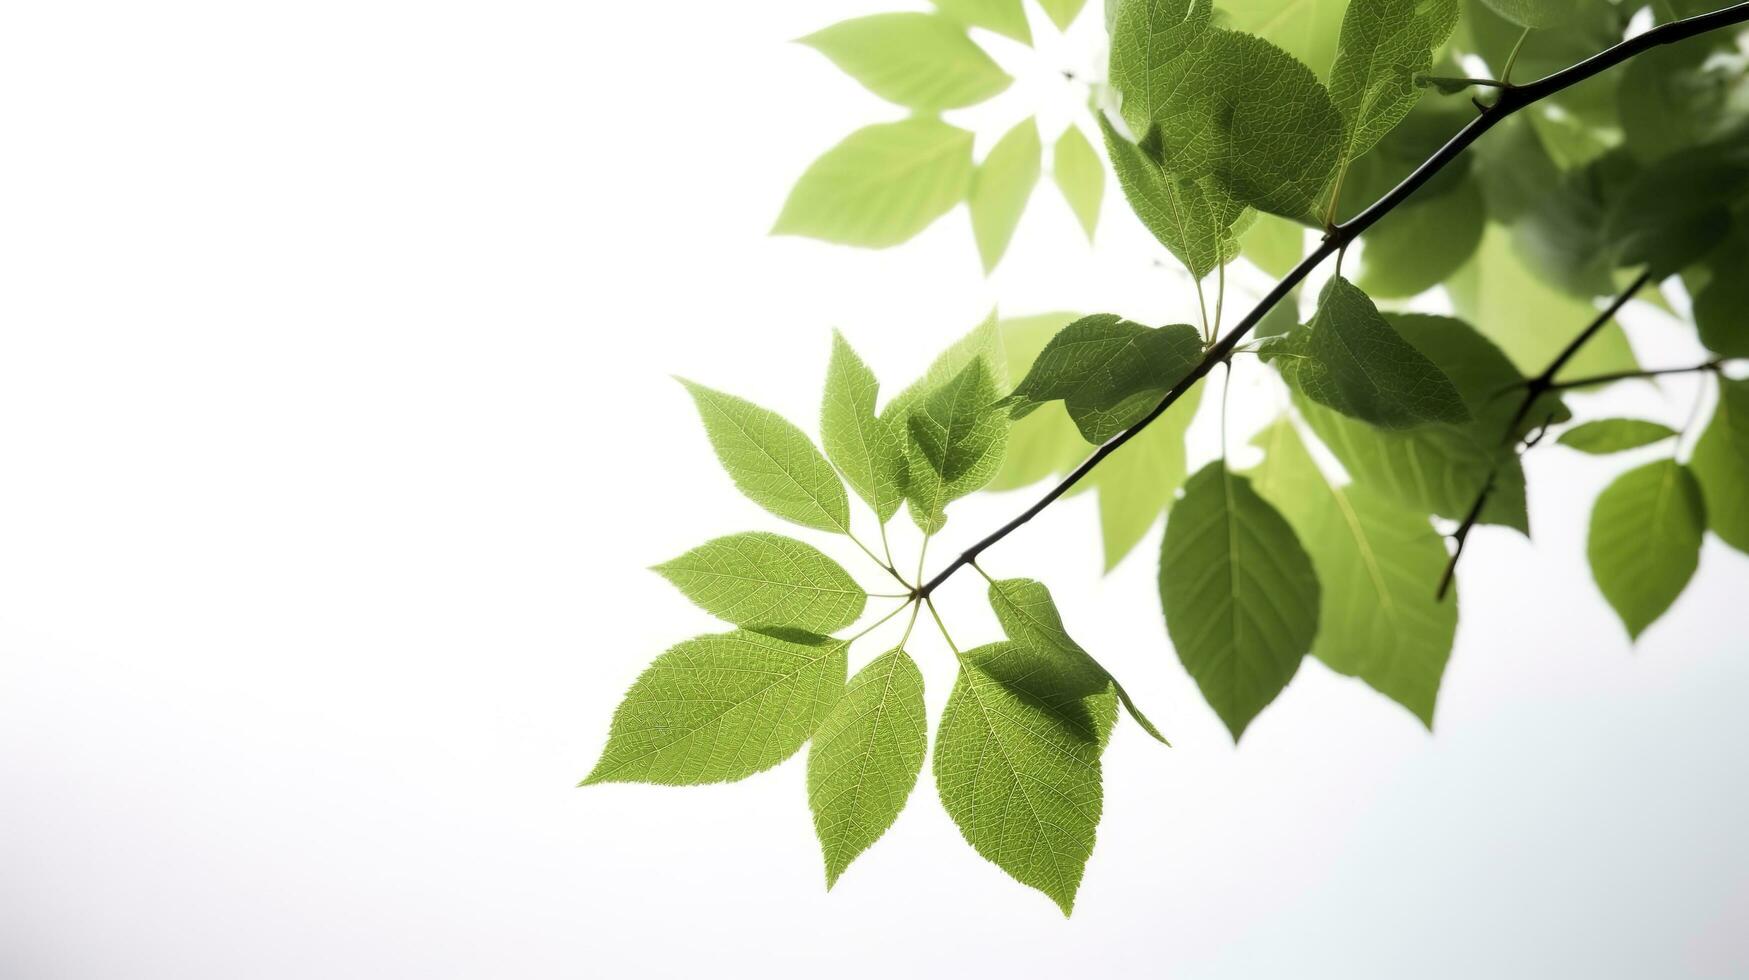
<point>1274,244</point>
<point>1535,13</point>
<point>1017,766</point>
<point>1353,360</point>
<point>1681,95</point>
<point>1153,44</point>
<point>1192,218</point>
<point>722,707</point>
<point>1562,233</point>
<point>767,581</point>
<point>772,461</point>
<point>1531,321</point>
<point>882,185</point>
<point>865,759</point>
<point>921,61</point>
<point>1721,464</point>
<point>1108,371</point>
<point>1378,564</point>
<point>958,432</point>
<point>924,490</point>
<point>1258,121</point>
<point>1420,244</point>
<point>1005,17</point>
<point>1645,540</point>
<point>1384,45</point>
<point>1137,483</point>
<point>1240,596</point>
<point>865,447</point>
<point>1080,176</point>
<point>1603,436</point>
<point>1721,307</point>
<point>1046,441</point>
<point>1062,12</point>
<point>1679,208</point>
<point>1306,29</point>
<point>1000,189</point>
<point>1029,616</point>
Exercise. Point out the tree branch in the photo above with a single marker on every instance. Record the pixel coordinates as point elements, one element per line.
<point>1510,101</point>
<point>1598,379</point>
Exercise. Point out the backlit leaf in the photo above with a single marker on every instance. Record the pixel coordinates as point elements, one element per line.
<point>1000,188</point>
<point>1383,46</point>
<point>865,447</point>
<point>1535,13</point>
<point>1721,464</point>
<point>1080,176</point>
<point>882,185</point>
<point>1306,29</point>
<point>767,581</point>
<point>1062,12</point>
<point>1192,218</point>
<point>1137,483</point>
<point>1153,44</point>
<point>1046,441</point>
<point>1645,540</point>
<point>772,461</point>
<point>1603,436</point>
<point>920,61</point>
<point>1005,17</point>
<point>1420,244</point>
<point>1108,371</point>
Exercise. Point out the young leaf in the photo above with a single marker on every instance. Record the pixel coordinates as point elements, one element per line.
<point>1258,121</point>
<point>772,461</point>
<point>865,759</point>
<point>1136,484</point>
<point>1354,361</point>
<point>1384,45</point>
<point>881,185</point>
<point>1645,540</point>
<point>1029,616</point>
<point>1192,218</point>
<point>1108,371</point>
<point>1017,766</point>
<point>1721,464</point>
<point>865,447</point>
<point>722,707</point>
<point>1153,43</point>
<point>1377,562</point>
<point>920,61</point>
<point>1080,176</point>
<point>1005,17</point>
<point>1603,436</point>
<point>1420,244</point>
<point>767,581</point>
<point>1240,597</point>
<point>1000,189</point>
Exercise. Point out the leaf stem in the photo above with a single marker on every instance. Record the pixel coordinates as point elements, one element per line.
<point>943,628</point>
<point>1512,59</point>
<point>1511,100</point>
<point>909,600</point>
<point>884,564</point>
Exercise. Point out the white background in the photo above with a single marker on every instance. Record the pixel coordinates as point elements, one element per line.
<point>336,433</point>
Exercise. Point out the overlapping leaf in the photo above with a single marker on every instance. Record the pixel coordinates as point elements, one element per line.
<point>1107,371</point>
<point>1384,45</point>
<point>1193,218</point>
<point>864,446</point>
<point>1603,436</point>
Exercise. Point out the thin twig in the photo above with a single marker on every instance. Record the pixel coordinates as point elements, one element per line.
<point>1598,379</point>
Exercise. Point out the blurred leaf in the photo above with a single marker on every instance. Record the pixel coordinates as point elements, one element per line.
<point>920,61</point>
<point>1080,176</point>
<point>1000,189</point>
<point>772,461</point>
<point>767,581</point>
<point>722,707</point>
<point>882,185</point>
<point>1306,29</point>
<point>1721,464</point>
<point>1274,244</point>
<point>924,488</point>
<point>1601,437</point>
<point>866,449</point>
<point>1678,209</point>
<point>1421,243</point>
<point>865,758</point>
<point>1062,12</point>
<point>1645,540</point>
<point>1721,307</point>
<point>1005,17</point>
<point>1240,597</point>
<point>1535,13</point>
<point>1046,441</point>
<point>1681,95</point>
<point>1137,483</point>
<point>1378,563</point>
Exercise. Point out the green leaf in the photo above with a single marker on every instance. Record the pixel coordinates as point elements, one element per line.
<point>865,759</point>
<point>1593,27</point>
<point>1645,540</point>
<point>1240,596</point>
<point>1080,176</point>
<point>1351,359</point>
<point>1108,371</point>
<point>1153,44</point>
<point>1029,616</point>
<point>1535,13</point>
<point>924,489</point>
<point>1257,120</point>
<point>1046,441</point>
<point>882,185</point>
<point>1000,190</point>
<point>1384,45</point>
<point>1603,436</point>
<point>1378,563</point>
<point>1721,464</point>
<point>1420,244</point>
<point>1531,321</point>
<point>1681,95</point>
<point>722,707</point>
<point>1062,12</point>
<point>865,447</point>
<point>772,461</point>
<point>1005,17</point>
<point>1192,218</point>
<point>1306,29</point>
<point>958,432</point>
<point>1721,307</point>
<point>1136,483</point>
<point>1017,766</point>
<point>1679,208</point>
<point>920,61</point>
<point>767,581</point>
<point>1274,244</point>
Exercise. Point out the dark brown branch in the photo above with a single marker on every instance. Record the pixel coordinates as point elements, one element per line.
<point>1599,379</point>
<point>1510,101</point>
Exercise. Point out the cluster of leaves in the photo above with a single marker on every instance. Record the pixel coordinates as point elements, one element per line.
<point>887,182</point>
<point>1399,425</point>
